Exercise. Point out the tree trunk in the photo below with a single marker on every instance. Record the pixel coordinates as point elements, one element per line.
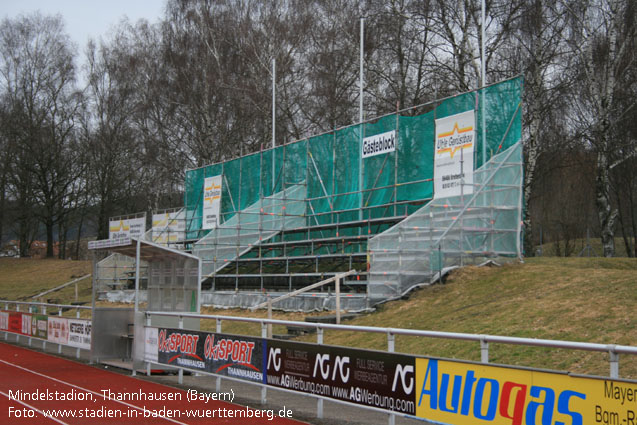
<point>605,213</point>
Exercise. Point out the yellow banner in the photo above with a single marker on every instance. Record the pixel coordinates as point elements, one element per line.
<point>462,393</point>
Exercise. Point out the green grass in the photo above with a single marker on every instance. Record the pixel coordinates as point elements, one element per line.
<point>576,299</point>
<point>22,278</point>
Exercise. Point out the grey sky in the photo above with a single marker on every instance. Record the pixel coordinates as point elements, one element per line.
<point>87,18</point>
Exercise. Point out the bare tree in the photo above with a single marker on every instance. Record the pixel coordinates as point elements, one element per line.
<point>38,75</point>
<point>604,41</point>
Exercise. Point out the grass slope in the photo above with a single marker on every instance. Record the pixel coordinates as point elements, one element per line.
<point>21,278</point>
<point>577,299</point>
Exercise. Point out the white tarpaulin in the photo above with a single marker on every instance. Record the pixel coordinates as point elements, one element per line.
<point>453,156</point>
<point>211,202</point>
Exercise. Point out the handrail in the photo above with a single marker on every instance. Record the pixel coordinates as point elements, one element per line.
<point>536,342</point>
<point>64,285</point>
<point>79,307</point>
<point>305,288</point>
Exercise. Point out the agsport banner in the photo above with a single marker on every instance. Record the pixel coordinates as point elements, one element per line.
<point>229,355</point>
<point>463,393</point>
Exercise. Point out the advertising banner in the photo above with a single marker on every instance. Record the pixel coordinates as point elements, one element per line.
<point>80,333</point>
<point>211,202</point>
<point>127,228</point>
<point>39,326</point>
<point>229,355</point>
<point>150,344</point>
<point>26,324</point>
<point>379,144</point>
<point>169,227</point>
<point>371,378</point>
<point>453,155</point>
<point>58,330</point>
<point>15,322</point>
<point>4,321</point>
<point>463,393</point>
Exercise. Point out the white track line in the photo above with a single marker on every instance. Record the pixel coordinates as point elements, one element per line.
<point>90,391</point>
<point>33,408</point>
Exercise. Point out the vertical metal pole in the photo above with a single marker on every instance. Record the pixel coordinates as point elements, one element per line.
<point>137,261</point>
<point>218,330</point>
<point>264,390</point>
<point>180,376</point>
<point>148,323</point>
<point>484,351</point>
<point>361,117</point>
<point>391,342</point>
<point>319,402</point>
<point>484,72</point>
<point>614,363</point>
<point>338,300</point>
<point>269,327</point>
<point>59,345</point>
<point>273,121</point>
<point>396,160</point>
<point>77,352</point>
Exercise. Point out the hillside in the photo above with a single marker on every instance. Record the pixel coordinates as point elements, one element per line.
<point>578,299</point>
<point>21,278</point>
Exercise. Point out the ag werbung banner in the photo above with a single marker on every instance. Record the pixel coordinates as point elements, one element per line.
<point>453,155</point>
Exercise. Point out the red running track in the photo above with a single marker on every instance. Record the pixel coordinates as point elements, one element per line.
<point>32,372</point>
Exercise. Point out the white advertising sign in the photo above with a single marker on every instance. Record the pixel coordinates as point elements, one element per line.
<point>26,324</point>
<point>379,144</point>
<point>80,333</point>
<point>169,227</point>
<point>150,345</point>
<point>58,330</point>
<point>211,202</point>
<point>4,321</point>
<point>127,228</point>
<point>453,156</point>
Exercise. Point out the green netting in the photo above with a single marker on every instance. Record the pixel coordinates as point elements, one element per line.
<point>395,183</point>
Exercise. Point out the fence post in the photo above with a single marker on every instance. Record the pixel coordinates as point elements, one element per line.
<point>319,402</point>
<point>180,378</point>
<point>614,362</point>
<point>77,316</point>
<point>391,342</point>
<point>484,351</point>
<point>264,390</point>
<point>59,344</point>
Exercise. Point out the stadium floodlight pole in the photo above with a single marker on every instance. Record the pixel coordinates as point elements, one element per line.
<point>273,121</point>
<point>361,115</point>
<point>483,65</point>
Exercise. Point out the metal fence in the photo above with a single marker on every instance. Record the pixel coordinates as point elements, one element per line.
<point>484,342</point>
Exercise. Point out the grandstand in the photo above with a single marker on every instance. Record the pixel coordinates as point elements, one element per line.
<point>365,197</point>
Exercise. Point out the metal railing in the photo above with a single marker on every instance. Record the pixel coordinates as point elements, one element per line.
<point>613,350</point>
<point>42,307</point>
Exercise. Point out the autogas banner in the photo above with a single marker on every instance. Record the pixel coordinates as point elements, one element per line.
<point>453,155</point>
<point>463,393</point>
<point>229,355</point>
<point>371,378</point>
